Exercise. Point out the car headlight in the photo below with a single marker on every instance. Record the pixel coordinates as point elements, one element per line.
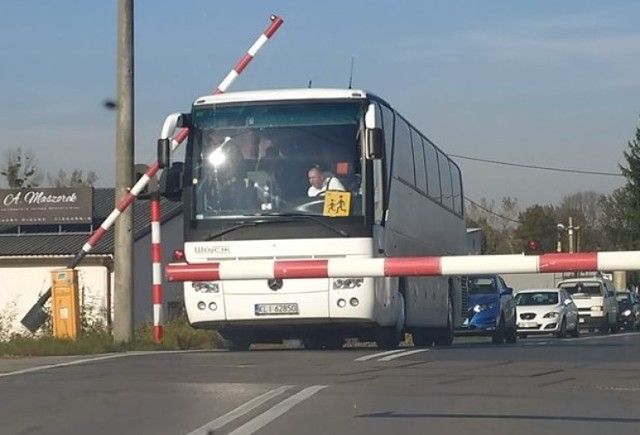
<point>482,307</point>
<point>347,283</point>
<point>206,286</point>
<point>551,315</point>
<point>626,313</point>
<point>597,308</point>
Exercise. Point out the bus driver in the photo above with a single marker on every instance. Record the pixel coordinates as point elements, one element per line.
<point>320,184</point>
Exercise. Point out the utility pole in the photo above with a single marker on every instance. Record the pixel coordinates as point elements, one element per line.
<point>570,232</point>
<point>123,242</point>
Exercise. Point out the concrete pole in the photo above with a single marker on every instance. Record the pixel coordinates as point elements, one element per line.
<point>123,243</point>
<point>620,279</point>
<point>570,232</point>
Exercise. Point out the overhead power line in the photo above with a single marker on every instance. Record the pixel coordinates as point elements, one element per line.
<point>546,168</point>
<point>491,211</point>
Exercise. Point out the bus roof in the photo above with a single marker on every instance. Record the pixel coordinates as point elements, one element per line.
<point>283,94</point>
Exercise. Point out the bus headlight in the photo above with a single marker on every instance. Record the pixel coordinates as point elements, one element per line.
<point>206,286</point>
<point>347,283</point>
<point>202,305</point>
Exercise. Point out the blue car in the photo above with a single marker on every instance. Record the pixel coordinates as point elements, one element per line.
<point>492,310</point>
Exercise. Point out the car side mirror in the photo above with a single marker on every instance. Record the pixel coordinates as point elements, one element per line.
<point>507,291</point>
<point>568,301</point>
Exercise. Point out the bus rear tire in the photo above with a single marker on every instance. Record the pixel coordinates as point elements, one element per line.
<point>422,337</point>
<point>389,337</point>
<point>444,336</point>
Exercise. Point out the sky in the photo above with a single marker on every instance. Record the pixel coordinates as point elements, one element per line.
<point>545,83</point>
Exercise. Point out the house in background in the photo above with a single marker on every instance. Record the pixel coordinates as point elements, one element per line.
<point>28,254</point>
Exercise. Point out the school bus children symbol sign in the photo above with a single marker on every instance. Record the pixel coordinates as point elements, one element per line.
<point>337,203</point>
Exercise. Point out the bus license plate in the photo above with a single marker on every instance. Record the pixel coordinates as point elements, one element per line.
<point>276,309</point>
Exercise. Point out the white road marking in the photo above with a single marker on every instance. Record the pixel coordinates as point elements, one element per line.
<point>88,360</point>
<point>379,354</point>
<point>65,364</point>
<point>239,411</point>
<point>276,411</point>
<point>403,354</point>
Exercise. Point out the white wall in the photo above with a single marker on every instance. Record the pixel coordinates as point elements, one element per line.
<point>20,288</point>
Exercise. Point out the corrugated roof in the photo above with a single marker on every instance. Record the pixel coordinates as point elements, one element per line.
<point>40,240</point>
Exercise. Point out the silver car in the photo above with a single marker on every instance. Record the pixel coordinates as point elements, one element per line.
<point>546,311</point>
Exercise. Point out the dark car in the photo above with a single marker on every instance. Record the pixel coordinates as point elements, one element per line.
<point>492,309</point>
<point>628,310</point>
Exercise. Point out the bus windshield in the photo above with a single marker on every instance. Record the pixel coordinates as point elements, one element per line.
<point>255,159</point>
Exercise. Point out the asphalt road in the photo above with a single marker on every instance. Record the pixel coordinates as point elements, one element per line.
<point>589,385</point>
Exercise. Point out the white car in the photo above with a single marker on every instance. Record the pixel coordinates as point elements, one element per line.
<point>546,311</point>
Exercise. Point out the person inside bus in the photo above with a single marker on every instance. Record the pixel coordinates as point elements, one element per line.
<point>321,183</point>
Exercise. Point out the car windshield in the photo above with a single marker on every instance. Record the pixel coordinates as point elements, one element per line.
<point>481,285</point>
<point>586,288</point>
<point>623,298</point>
<point>537,298</point>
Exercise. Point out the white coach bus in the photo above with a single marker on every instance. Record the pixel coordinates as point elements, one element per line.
<point>383,190</point>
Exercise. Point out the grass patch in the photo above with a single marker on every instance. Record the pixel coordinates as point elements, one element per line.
<point>178,335</point>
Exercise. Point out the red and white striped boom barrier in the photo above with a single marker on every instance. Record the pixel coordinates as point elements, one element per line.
<point>36,315</point>
<point>403,266</point>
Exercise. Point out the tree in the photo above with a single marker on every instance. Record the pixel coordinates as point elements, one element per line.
<point>20,169</point>
<point>76,179</point>
<point>497,227</point>
<point>537,222</point>
<point>621,220</point>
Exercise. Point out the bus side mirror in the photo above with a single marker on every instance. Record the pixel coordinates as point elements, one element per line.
<point>375,143</point>
<point>164,153</point>
<point>170,184</point>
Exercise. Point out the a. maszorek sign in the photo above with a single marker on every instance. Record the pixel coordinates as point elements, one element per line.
<point>38,206</point>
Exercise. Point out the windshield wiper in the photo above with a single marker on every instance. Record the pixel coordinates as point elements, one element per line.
<point>313,218</point>
<point>228,230</point>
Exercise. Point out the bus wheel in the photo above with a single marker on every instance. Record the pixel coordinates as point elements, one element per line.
<point>422,337</point>
<point>389,337</point>
<point>444,336</point>
<point>238,344</point>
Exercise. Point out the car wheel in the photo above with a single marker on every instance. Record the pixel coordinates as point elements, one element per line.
<point>575,333</point>
<point>498,335</point>
<point>562,332</point>
<point>614,327</point>
<point>511,335</point>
